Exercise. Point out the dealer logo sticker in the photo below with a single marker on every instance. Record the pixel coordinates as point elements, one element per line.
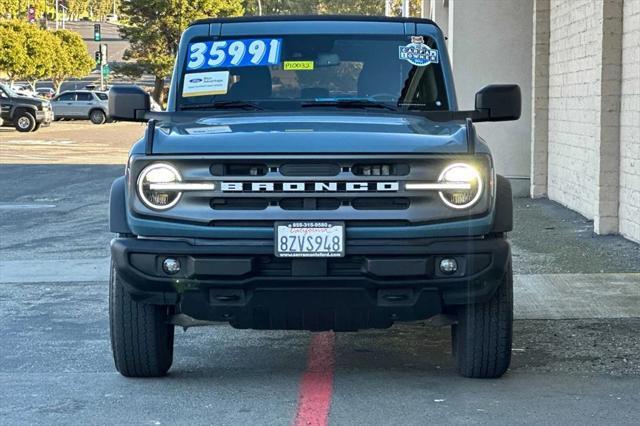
<point>205,83</point>
<point>419,54</point>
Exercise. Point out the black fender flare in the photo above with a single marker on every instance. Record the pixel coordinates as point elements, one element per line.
<point>18,108</point>
<point>118,207</point>
<point>503,217</point>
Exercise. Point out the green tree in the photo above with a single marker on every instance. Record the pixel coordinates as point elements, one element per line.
<point>30,53</point>
<point>35,60</point>
<point>155,27</point>
<point>338,7</point>
<point>10,9</point>
<point>14,61</point>
<point>284,7</point>
<point>77,8</point>
<point>73,60</point>
<point>43,49</point>
<point>100,8</point>
<point>129,70</point>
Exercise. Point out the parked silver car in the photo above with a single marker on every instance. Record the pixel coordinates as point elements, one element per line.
<point>82,104</point>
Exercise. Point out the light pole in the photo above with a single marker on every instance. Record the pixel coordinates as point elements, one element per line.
<point>64,14</point>
<point>259,7</point>
<point>56,15</point>
<point>405,8</point>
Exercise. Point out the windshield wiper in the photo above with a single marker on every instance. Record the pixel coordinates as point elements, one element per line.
<point>349,103</point>
<point>225,105</point>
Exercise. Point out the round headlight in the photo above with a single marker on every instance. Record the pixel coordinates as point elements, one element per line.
<point>461,198</point>
<point>157,175</point>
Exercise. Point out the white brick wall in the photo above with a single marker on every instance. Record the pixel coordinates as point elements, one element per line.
<point>540,99</point>
<point>575,55</point>
<point>629,209</point>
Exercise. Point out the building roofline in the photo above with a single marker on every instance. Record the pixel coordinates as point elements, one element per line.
<point>302,18</point>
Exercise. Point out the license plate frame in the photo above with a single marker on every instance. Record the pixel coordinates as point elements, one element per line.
<point>311,229</point>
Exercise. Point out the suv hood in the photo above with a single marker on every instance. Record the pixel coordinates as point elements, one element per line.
<point>28,100</point>
<point>305,133</point>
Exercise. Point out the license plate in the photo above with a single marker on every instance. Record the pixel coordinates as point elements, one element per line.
<point>309,239</point>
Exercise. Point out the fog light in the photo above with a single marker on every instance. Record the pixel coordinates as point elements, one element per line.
<point>171,266</point>
<point>448,266</point>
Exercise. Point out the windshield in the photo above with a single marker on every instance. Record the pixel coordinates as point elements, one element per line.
<point>8,90</point>
<point>303,70</point>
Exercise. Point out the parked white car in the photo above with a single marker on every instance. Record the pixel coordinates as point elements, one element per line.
<point>82,104</point>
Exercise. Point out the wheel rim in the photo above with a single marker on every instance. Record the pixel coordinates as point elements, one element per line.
<point>24,122</point>
<point>97,116</point>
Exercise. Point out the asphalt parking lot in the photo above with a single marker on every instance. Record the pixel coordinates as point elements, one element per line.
<point>56,366</point>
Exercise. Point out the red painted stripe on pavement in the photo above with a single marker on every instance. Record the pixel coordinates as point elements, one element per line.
<point>316,387</point>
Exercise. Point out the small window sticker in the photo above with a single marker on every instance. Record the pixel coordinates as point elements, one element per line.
<point>298,65</point>
<point>417,53</point>
<point>233,53</point>
<point>205,83</point>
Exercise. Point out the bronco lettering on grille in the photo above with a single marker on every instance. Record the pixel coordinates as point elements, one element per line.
<point>309,186</point>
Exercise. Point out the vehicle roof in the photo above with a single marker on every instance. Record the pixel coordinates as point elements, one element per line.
<point>79,91</point>
<point>317,18</point>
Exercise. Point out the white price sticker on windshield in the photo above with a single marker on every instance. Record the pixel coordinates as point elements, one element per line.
<point>234,53</point>
<point>205,83</point>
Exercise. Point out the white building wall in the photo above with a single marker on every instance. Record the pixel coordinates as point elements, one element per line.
<point>578,63</point>
<point>575,48</point>
<point>540,99</point>
<point>629,210</point>
<point>490,42</point>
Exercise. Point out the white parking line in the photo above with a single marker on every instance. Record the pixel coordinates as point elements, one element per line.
<point>16,206</point>
<point>39,141</point>
<point>540,296</point>
<point>54,270</point>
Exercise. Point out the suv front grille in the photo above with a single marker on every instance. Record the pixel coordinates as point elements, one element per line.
<point>310,203</point>
<point>360,190</point>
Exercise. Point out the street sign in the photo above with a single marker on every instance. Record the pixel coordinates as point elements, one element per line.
<point>104,50</point>
<point>97,36</point>
<point>105,71</point>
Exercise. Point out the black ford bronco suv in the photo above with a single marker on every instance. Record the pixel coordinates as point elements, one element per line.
<point>311,173</point>
<point>26,114</point>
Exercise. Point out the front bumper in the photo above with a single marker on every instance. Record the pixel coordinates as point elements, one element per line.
<point>44,117</point>
<point>377,283</point>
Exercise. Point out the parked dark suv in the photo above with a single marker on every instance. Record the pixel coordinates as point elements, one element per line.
<point>25,113</point>
<point>311,173</point>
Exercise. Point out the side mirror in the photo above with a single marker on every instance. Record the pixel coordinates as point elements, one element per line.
<point>128,103</point>
<point>498,102</point>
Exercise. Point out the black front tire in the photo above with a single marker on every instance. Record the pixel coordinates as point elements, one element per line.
<point>37,126</point>
<point>141,336</point>
<point>25,122</point>
<point>97,116</point>
<point>482,337</point>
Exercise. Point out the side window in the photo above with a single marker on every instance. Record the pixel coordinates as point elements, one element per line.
<point>102,96</point>
<point>84,97</point>
<point>67,97</point>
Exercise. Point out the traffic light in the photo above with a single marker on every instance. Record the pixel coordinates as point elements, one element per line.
<point>97,36</point>
<point>98,56</point>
